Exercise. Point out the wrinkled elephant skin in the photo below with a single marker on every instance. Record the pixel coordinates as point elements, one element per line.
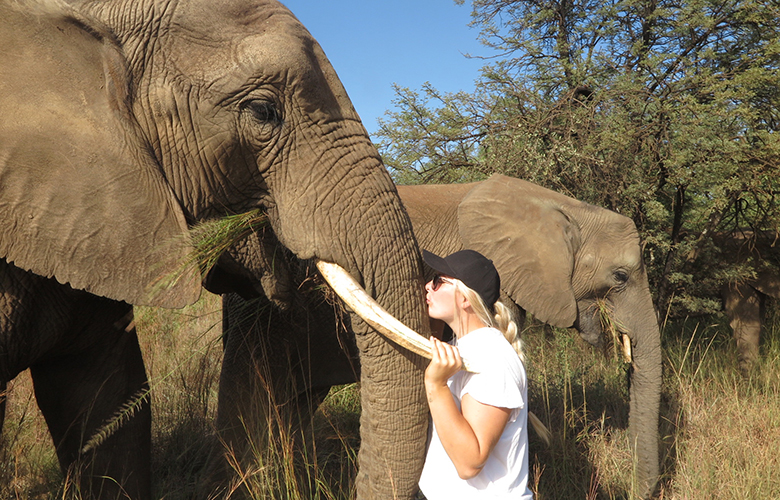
<point>562,261</point>
<point>124,124</point>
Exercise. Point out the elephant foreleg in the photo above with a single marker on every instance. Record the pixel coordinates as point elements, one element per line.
<point>94,397</point>
<point>743,308</point>
<point>274,376</point>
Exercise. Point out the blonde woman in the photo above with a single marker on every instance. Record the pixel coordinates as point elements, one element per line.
<point>479,438</point>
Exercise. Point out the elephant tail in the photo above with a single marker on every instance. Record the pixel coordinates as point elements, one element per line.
<point>541,430</point>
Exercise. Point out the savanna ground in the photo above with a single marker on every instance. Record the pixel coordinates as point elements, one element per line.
<point>720,429</point>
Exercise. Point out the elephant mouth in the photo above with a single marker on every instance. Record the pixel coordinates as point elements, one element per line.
<point>362,304</point>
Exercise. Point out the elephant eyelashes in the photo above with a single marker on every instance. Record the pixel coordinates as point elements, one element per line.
<point>264,111</point>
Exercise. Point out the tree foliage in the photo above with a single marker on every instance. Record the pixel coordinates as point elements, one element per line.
<point>667,112</point>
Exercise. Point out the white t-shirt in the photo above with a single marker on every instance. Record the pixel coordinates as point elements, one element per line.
<point>501,382</point>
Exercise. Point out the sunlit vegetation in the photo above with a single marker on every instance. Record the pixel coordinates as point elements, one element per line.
<point>665,112</point>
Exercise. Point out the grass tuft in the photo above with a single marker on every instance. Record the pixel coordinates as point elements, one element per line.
<point>210,239</point>
<point>122,415</point>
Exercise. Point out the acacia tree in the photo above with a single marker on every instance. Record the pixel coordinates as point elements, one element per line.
<point>667,112</point>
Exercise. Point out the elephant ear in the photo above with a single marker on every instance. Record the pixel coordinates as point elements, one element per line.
<point>531,242</point>
<point>81,198</point>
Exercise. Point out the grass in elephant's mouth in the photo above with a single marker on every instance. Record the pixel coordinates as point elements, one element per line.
<point>720,431</point>
<point>210,239</point>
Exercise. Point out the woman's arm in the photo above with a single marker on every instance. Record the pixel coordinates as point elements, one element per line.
<point>469,436</point>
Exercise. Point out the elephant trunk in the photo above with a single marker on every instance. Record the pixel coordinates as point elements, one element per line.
<point>639,322</point>
<point>355,219</point>
<point>392,396</point>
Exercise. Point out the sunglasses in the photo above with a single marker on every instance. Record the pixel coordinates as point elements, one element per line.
<point>438,280</point>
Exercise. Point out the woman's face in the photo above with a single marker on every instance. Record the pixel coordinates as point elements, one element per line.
<point>440,298</point>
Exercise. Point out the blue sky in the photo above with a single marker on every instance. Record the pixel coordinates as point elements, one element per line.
<point>373,44</point>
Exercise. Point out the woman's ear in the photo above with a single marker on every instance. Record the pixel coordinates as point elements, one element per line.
<point>462,302</point>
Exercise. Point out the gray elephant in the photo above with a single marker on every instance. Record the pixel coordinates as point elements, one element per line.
<point>124,124</point>
<point>744,301</point>
<point>563,261</point>
<point>560,259</point>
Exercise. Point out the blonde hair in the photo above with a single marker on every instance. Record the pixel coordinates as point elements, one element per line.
<point>503,320</point>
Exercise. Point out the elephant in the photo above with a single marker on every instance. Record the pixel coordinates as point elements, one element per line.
<point>744,304</point>
<point>563,261</point>
<point>123,126</point>
<point>744,301</point>
<point>560,259</point>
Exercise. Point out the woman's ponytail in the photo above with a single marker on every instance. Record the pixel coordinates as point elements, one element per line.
<point>505,322</point>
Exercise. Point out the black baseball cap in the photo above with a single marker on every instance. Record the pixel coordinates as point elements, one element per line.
<point>472,268</point>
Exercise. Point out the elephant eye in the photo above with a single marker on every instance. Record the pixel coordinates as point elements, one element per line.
<point>620,276</point>
<point>264,111</point>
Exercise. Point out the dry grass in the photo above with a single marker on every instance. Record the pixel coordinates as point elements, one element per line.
<point>720,430</point>
<point>728,425</point>
<point>318,463</point>
<point>581,395</point>
<point>183,352</point>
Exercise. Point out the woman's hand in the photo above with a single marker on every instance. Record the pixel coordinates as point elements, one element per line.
<point>445,362</point>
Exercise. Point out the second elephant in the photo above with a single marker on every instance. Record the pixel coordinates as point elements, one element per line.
<point>560,259</point>
<point>563,261</point>
<point>744,304</point>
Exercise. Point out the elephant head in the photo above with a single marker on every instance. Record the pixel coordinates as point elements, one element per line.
<point>566,262</point>
<point>126,123</point>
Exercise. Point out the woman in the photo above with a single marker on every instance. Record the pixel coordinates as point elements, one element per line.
<point>479,441</point>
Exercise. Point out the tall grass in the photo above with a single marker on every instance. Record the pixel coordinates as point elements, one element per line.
<point>303,457</point>
<point>28,464</point>
<point>727,427</point>
<point>182,350</point>
<point>720,429</point>
<point>582,397</point>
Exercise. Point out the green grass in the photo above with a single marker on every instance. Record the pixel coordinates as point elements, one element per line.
<point>720,430</point>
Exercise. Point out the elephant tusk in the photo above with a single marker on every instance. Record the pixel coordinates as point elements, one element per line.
<point>356,298</point>
<point>627,348</point>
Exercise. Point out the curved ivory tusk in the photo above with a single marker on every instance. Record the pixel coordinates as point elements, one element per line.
<point>372,313</point>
